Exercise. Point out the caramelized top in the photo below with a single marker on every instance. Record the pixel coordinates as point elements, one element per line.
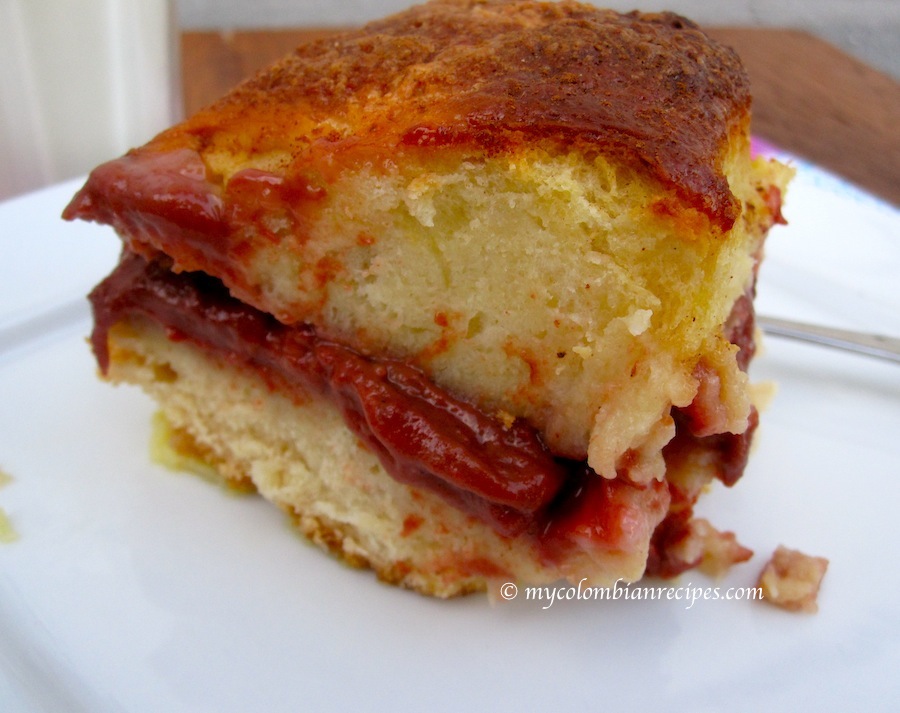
<point>648,89</point>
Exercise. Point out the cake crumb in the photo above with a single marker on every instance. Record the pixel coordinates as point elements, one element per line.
<point>699,544</point>
<point>7,531</point>
<point>791,580</point>
<point>638,321</point>
<point>721,550</point>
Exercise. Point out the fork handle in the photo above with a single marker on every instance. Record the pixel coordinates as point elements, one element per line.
<point>875,345</point>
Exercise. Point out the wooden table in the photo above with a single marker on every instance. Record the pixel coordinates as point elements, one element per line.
<point>809,97</point>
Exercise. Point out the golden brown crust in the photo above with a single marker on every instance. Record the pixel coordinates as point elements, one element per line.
<point>649,89</point>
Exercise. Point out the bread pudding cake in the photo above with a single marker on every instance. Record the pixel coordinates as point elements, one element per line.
<point>467,292</point>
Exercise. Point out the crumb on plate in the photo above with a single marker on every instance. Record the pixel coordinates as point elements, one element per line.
<point>7,532</point>
<point>791,580</point>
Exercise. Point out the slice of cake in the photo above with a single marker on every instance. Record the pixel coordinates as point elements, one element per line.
<point>467,292</point>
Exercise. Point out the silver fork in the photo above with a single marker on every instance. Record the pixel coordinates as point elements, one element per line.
<point>875,345</point>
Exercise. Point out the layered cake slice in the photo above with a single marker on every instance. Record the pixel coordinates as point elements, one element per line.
<point>467,292</point>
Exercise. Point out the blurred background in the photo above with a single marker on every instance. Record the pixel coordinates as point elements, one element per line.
<point>84,80</point>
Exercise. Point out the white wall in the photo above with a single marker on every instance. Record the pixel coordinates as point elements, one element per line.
<point>868,29</point>
<point>81,82</point>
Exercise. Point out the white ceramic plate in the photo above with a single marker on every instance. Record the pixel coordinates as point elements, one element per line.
<point>136,589</point>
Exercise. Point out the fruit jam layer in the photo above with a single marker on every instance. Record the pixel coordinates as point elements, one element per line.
<point>423,436</point>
